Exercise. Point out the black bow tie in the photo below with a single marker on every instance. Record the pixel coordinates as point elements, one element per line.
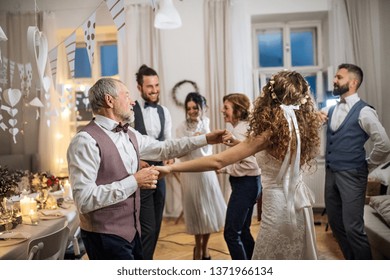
<point>148,104</point>
<point>121,127</point>
<point>342,100</point>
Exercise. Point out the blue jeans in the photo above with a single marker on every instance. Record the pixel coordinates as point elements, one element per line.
<point>238,237</point>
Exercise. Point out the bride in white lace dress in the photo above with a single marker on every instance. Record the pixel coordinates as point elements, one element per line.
<point>286,230</point>
<point>284,135</point>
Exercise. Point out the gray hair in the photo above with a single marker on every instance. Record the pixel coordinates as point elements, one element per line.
<point>98,91</point>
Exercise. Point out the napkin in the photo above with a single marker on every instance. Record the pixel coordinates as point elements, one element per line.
<point>14,235</point>
<point>48,212</point>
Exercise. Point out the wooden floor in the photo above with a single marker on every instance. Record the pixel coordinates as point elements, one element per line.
<point>175,244</point>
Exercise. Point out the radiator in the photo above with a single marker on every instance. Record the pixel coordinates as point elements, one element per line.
<point>316,182</point>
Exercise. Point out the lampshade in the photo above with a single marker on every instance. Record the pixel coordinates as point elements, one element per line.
<point>167,16</point>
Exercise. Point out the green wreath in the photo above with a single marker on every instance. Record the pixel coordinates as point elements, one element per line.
<point>177,87</point>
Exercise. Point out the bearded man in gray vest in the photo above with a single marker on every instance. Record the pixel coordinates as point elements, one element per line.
<point>104,171</point>
<point>351,123</point>
<point>154,120</point>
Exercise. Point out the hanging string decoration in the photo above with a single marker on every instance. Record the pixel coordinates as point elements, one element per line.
<point>11,70</point>
<point>89,36</point>
<point>117,11</point>
<point>28,78</point>
<point>70,46</point>
<point>36,102</point>
<point>38,48</point>
<point>53,65</point>
<point>12,98</point>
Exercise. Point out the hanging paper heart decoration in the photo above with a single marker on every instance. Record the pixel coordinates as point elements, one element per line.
<point>12,122</point>
<point>46,83</point>
<point>12,96</point>
<point>13,112</point>
<point>36,102</point>
<point>14,131</point>
<point>47,96</point>
<point>38,49</point>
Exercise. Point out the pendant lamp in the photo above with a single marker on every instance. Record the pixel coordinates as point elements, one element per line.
<point>167,16</point>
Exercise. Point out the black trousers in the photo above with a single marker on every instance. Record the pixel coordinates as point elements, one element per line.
<point>102,246</point>
<point>151,214</point>
<point>345,193</point>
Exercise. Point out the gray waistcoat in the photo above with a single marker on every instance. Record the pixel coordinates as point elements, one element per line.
<point>122,218</point>
<point>345,146</point>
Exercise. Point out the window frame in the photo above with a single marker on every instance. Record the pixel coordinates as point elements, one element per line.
<point>263,73</point>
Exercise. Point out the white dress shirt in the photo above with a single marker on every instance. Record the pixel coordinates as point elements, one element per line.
<point>84,161</point>
<point>369,122</point>
<point>152,121</point>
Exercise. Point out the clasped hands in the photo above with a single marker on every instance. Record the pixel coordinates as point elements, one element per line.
<point>147,177</point>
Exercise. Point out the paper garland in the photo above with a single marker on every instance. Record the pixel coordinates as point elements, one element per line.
<point>12,97</point>
<point>38,51</point>
<point>89,36</point>
<point>117,11</point>
<point>70,46</point>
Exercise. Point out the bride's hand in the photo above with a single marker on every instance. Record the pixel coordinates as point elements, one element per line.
<point>164,170</point>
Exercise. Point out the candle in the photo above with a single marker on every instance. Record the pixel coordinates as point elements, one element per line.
<point>33,214</point>
<point>67,191</point>
<point>25,206</point>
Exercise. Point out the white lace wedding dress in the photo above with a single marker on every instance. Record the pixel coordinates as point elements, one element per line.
<point>287,225</point>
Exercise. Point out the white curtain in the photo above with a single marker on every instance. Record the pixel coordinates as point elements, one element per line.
<point>340,37</point>
<point>141,46</point>
<point>363,18</point>
<point>241,70</point>
<point>354,38</point>
<point>218,65</point>
<point>55,124</point>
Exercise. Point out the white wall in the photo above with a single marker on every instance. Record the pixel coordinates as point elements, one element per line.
<point>184,53</point>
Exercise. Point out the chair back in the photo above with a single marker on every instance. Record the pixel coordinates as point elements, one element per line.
<point>49,247</point>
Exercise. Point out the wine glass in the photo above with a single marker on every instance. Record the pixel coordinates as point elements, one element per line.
<point>42,197</point>
<point>6,213</point>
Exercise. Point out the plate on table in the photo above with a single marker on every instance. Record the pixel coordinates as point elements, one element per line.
<point>9,238</point>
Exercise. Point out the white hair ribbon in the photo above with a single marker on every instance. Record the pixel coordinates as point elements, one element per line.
<point>289,173</point>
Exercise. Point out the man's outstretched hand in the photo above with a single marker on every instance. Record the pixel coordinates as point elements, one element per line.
<point>215,136</point>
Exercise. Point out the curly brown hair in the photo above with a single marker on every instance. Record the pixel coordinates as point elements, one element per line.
<point>241,105</point>
<point>288,88</point>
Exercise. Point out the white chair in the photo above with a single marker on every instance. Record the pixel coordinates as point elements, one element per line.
<point>49,247</point>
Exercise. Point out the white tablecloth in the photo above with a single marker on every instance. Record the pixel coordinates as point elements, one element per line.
<point>44,227</point>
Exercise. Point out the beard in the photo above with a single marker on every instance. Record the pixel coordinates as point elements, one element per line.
<point>148,99</point>
<point>131,119</point>
<point>340,90</point>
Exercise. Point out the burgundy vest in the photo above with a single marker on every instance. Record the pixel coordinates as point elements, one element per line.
<point>121,218</point>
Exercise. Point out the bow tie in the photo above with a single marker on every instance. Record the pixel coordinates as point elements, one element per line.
<point>148,104</point>
<point>342,100</point>
<point>121,127</point>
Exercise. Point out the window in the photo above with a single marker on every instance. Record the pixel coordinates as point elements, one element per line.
<point>82,67</point>
<point>292,45</point>
<point>109,59</point>
<point>107,56</point>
